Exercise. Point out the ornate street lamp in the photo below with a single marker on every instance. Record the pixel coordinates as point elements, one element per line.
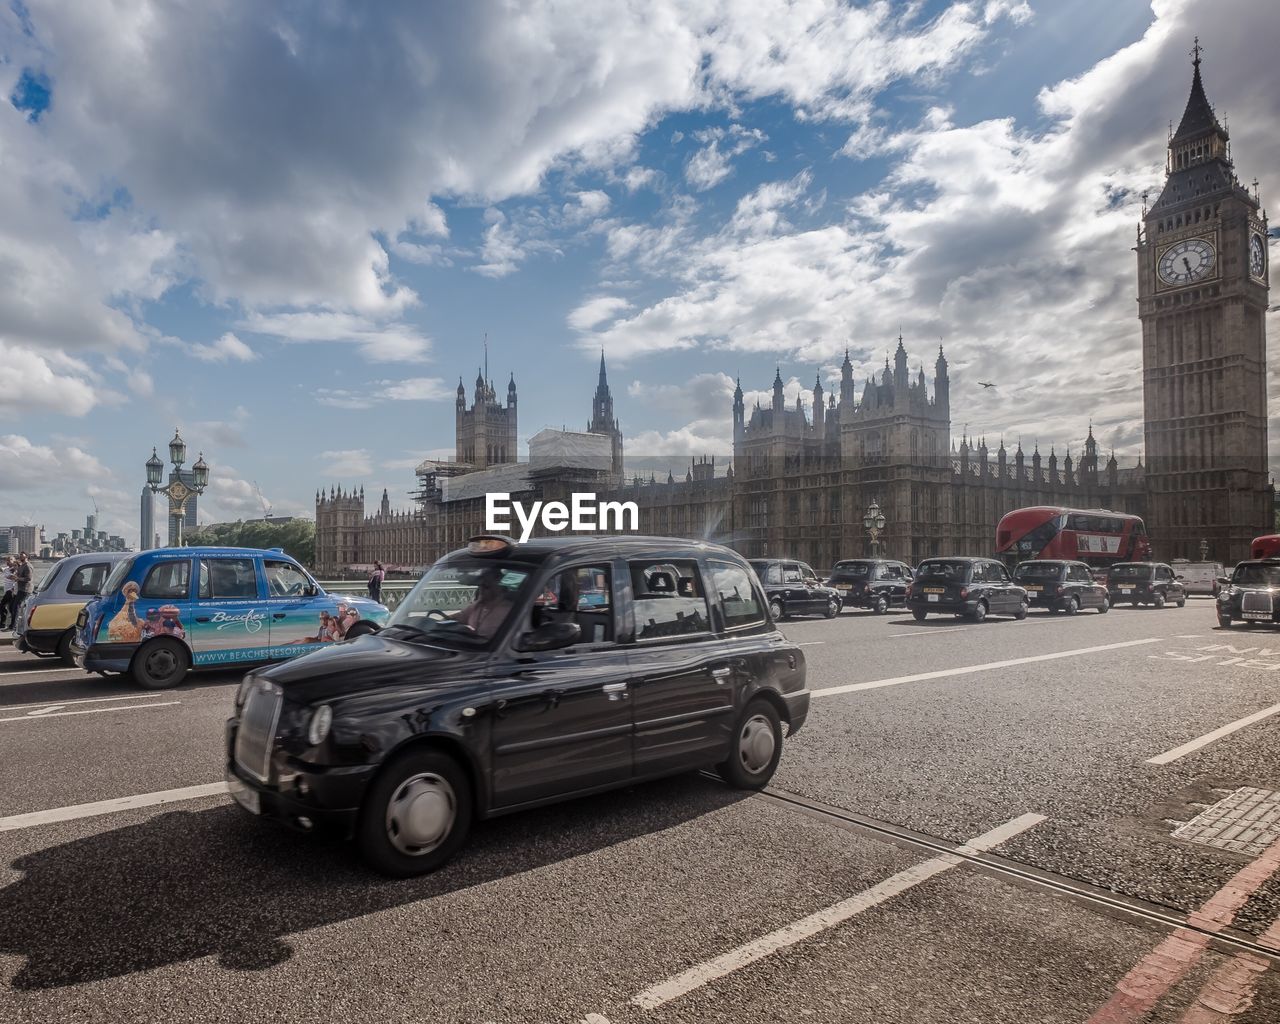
<point>178,491</point>
<point>873,522</point>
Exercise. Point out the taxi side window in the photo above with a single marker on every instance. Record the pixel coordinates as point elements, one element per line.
<point>1079,574</point>
<point>1163,574</point>
<point>738,597</point>
<point>284,579</point>
<point>582,594</point>
<point>773,574</point>
<point>88,578</point>
<point>170,581</point>
<point>228,579</point>
<point>791,573</point>
<point>890,572</point>
<point>669,599</point>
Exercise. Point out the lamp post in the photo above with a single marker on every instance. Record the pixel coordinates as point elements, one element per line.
<point>873,522</point>
<point>177,491</point>
<point>1204,550</point>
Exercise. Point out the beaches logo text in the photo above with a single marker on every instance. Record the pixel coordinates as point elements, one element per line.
<point>252,620</point>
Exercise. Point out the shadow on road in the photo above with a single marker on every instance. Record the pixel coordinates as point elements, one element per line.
<point>189,884</point>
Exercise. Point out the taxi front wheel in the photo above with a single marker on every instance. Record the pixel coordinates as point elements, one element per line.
<point>416,815</point>
<point>756,748</point>
<point>160,664</point>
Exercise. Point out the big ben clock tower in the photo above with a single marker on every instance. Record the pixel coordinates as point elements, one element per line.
<point>1202,299</point>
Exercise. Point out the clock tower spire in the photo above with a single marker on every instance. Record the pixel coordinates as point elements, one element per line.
<point>1202,299</point>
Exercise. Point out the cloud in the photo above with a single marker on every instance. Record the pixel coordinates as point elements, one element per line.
<point>226,349</point>
<point>379,342</point>
<point>710,165</point>
<point>25,466</point>
<point>597,310</point>
<point>44,383</point>
<point>357,462</point>
<point>412,389</point>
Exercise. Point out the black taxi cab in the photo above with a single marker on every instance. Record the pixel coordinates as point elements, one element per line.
<point>1153,583</point>
<point>516,675</point>
<point>1251,594</point>
<point>1061,586</point>
<point>793,588</point>
<point>971,587</point>
<point>875,583</point>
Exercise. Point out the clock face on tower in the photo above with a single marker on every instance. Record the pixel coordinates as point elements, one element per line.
<point>1257,257</point>
<point>1192,259</point>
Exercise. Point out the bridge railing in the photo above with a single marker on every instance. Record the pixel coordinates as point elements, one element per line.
<point>393,591</point>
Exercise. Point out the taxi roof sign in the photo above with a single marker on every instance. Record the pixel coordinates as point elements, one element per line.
<point>489,544</point>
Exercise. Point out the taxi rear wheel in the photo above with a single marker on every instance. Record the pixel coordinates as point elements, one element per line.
<point>1072,606</point>
<point>64,647</point>
<point>833,608</point>
<point>881,606</point>
<point>919,614</point>
<point>1158,600</point>
<point>416,815</point>
<point>160,664</point>
<point>1104,607</point>
<point>1023,607</point>
<point>979,612</point>
<point>756,748</point>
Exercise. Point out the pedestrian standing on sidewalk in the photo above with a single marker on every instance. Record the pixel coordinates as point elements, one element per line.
<point>22,579</point>
<point>375,581</point>
<point>8,587</point>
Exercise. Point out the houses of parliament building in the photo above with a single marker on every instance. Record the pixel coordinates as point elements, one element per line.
<point>799,480</point>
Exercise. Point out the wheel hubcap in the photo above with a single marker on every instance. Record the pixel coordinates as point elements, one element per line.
<point>420,814</point>
<point>756,744</point>
<point>161,664</point>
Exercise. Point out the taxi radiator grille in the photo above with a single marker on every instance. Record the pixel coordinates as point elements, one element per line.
<point>1254,601</point>
<point>255,736</point>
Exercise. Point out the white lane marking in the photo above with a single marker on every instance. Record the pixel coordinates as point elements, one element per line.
<point>1203,741</point>
<point>69,703</point>
<point>32,716</point>
<point>709,971</point>
<point>811,643</point>
<point>943,673</point>
<point>1187,636</point>
<point>931,632</point>
<point>124,803</point>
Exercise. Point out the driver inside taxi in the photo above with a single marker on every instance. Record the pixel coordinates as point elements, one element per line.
<point>489,608</point>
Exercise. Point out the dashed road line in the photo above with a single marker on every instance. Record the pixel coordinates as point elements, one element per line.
<point>833,691</point>
<point>54,711</point>
<point>124,803</point>
<point>70,703</point>
<point>711,970</point>
<point>1191,746</point>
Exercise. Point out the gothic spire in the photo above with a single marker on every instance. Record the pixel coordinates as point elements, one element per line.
<point>1198,118</point>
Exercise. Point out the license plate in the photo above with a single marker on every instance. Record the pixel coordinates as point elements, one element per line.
<point>933,597</point>
<point>1034,589</point>
<point>1263,616</point>
<point>1126,590</point>
<point>933,590</point>
<point>247,798</point>
<point>842,586</point>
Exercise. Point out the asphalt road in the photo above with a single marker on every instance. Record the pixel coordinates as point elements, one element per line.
<point>1063,751</point>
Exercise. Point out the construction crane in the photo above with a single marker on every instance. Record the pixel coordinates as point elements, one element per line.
<point>266,507</point>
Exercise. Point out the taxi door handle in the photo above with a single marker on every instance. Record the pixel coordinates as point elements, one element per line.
<point>615,691</point>
<point>278,615</point>
<point>721,674</point>
<point>202,618</point>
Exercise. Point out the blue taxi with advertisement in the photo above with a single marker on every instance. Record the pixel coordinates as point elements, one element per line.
<point>163,612</point>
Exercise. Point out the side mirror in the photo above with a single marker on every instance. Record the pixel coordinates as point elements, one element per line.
<point>1179,578</point>
<point>1224,581</point>
<point>551,636</point>
<point>312,590</point>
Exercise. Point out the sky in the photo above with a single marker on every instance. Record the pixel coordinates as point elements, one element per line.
<point>289,228</point>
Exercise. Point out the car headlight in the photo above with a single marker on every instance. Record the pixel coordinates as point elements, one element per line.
<point>242,692</point>
<point>318,727</point>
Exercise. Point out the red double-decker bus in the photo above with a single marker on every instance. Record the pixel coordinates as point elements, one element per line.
<point>1266,546</point>
<point>1097,536</point>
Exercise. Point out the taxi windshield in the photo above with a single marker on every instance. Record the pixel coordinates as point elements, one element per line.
<point>853,568</point>
<point>1257,575</point>
<point>1130,572</point>
<point>464,600</point>
<point>1037,571</point>
<point>117,576</point>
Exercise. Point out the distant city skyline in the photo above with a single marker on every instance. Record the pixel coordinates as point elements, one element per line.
<point>719,199</point>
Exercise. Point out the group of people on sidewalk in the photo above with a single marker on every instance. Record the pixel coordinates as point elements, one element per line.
<point>15,579</point>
